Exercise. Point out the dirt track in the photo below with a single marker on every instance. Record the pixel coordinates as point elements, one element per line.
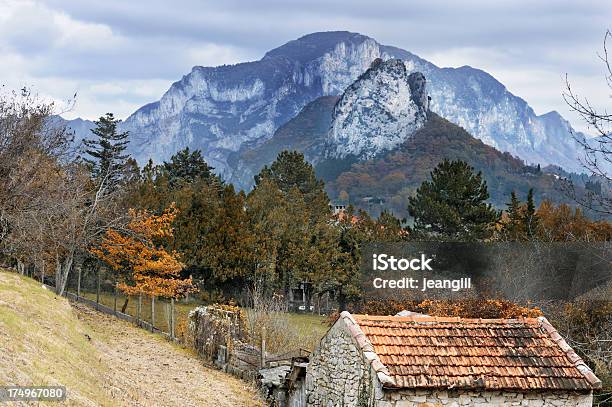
<point>146,370</point>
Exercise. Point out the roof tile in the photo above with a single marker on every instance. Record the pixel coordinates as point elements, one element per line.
<point>428,352</point>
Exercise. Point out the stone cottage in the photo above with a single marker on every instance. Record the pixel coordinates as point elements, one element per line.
<point>419,360</point>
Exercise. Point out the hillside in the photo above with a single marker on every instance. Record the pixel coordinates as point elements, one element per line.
<point>101,360</point>
<point>306,132</point>
<point>392,177</point>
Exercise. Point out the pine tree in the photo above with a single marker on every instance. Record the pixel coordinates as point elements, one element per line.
<point>531,218</point>
<point>186,167</point>
<point>452,206</point>
<point>513,227</point>
<point>290,170</point>
<point>107,157</point>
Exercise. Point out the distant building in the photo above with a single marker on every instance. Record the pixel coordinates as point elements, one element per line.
<point>419,360</point>
<point>337,208</point>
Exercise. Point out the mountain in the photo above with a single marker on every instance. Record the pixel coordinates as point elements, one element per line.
<point>228,110</point>
<point>387,180</point>
<point>306,132</point>
<point>380,110</point>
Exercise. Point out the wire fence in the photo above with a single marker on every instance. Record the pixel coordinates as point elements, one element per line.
<point>97,288</point>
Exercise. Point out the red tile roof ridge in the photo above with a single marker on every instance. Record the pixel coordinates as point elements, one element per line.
<point>368,350</point>
<point>569,352</point>
<point>427,318</point>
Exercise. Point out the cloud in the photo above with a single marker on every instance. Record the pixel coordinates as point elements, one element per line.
<point>122,54</point>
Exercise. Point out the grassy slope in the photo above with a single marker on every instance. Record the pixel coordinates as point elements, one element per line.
<point>43,343</point>
<point>101,360</point>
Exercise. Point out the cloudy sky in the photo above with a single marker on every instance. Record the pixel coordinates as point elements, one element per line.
<point>118,55</point>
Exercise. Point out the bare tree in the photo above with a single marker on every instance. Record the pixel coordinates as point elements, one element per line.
<point>25,138</point>
<point>51,210</point>
<point>597,157</point>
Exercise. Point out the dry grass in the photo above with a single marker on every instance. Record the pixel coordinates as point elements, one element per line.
<point>285,331</point>
<point>43,343</point>
<point>101,360</point>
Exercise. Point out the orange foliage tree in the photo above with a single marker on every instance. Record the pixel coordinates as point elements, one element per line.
<point>144,266</point>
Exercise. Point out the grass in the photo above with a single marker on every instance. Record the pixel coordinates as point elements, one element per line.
<point>309,326</point>
<point>43,343</point>
<point>161,308</point>
<point>305,330</point>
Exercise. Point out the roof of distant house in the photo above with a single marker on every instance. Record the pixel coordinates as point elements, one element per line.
<point>420,351</point>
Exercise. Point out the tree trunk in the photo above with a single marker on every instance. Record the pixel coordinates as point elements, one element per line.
<point>341,301</point>
<point>308,296</point>
<point>62,271</point>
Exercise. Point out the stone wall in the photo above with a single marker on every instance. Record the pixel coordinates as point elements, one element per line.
<point>337,373</point>
<point>340,375</point>
<point>427,398</point>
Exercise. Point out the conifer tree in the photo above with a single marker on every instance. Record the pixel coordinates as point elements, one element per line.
<point>290,170</point>
<point>106,152</point>
<point>452,206</point>
<point>186,167</point>
<point>531,218</point>
<point>513,227</point>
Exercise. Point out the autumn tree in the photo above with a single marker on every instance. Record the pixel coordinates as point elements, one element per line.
<point>563,223</point>
<point>137,255</point>
<point>452,206</point>
<point>28,141</point>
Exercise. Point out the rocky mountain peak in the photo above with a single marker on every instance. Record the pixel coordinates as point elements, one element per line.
<point>379,111</point>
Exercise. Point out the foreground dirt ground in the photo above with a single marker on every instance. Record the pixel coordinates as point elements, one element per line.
<point>147,370</point>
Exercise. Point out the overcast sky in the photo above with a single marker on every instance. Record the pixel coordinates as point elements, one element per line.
<point>119,54</point>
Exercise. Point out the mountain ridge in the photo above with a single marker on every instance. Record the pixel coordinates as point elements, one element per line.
<point>228,109</point>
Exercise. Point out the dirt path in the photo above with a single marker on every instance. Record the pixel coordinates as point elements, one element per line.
<point>147,370</point>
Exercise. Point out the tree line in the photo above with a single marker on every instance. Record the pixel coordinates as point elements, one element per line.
<point>168,228</point>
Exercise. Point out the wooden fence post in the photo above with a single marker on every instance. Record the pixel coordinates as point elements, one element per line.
<point>172,318</point>
<point>263,347</point>
<point>98,290</point>
<point>115,295</point>
<point>152,313</point>
<point>139,318</point>
<point>78,283</point>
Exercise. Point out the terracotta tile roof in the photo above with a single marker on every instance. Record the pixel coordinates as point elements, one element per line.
<point>434,352</point>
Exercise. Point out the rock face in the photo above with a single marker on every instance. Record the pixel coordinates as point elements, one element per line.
<point>229,109</point>
<point>379,111</point>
